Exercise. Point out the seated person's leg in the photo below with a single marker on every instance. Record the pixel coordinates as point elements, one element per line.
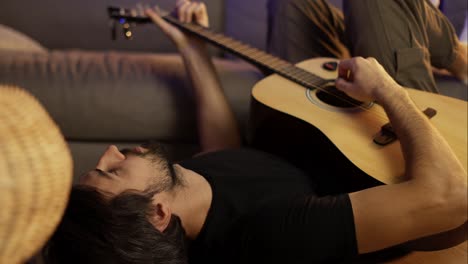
<point>406,36</point>
<point>303,29</point>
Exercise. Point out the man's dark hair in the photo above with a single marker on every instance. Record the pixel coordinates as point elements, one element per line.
<point>99,230</point>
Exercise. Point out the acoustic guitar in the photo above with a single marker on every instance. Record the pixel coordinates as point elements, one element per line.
<point>359,130</point>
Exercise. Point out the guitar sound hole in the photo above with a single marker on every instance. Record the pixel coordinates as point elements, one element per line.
<point>332,96</point>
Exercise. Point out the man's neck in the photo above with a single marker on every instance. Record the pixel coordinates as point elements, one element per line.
<point>192,201</point>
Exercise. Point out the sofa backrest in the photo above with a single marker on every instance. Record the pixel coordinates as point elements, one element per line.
<point>83,24</point>
<point>65,24</point>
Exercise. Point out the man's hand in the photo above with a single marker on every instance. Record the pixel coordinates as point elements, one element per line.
<point>187,12</point>
<point>365,79</point>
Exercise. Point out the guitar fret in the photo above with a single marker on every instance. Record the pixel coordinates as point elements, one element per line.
<point>309,77</point>
<point>312,81</point>
<point>231,43</point>
<point>226,41</point>
<point>241,46</point>
<point>262,56</point>
<point>235,45</point>
<point>277,63</point>
<point>317,82</point>
<point>315,79</point>
<point>298,73</point>
<point>265,57</point>
<point>284,67</point>
<point>245,50</point>
<point>251,51</point>
<point>216,37</point>
<point>289,70</point>
<point>272,60</point>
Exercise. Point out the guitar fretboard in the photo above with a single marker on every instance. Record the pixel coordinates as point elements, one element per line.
<point>253,55</point>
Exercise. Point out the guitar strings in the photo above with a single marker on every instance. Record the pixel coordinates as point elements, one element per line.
<point>307,79</point>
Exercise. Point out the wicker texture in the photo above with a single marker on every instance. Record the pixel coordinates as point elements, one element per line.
<point>35,175</point>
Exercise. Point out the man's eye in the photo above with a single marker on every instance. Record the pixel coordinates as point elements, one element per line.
<point>114,171</point>
<point>100,172</point>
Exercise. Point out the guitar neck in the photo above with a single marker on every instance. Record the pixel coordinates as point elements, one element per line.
<point>251,54</point>
<point>244,51</point>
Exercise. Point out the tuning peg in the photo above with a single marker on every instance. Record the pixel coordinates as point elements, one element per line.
<point>127,31</point>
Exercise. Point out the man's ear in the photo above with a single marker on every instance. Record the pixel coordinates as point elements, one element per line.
<point>161,216</point>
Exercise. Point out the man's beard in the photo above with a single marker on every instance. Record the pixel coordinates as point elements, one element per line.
<point>158,157</point>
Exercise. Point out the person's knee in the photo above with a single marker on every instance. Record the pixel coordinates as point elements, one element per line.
<point>303,13</point>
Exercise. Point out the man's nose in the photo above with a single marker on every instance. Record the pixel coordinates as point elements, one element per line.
<point>111,156</point>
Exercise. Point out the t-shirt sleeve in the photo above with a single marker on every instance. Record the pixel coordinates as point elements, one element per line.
<point>302,229</point>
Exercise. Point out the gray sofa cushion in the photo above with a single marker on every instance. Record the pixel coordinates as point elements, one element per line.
<point>121,96</point>
<point>12,40</point>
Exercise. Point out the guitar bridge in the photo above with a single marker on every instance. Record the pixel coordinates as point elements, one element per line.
<point>387,134</point>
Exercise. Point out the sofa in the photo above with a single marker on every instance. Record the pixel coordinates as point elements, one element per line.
<point>124,92</point>
<point>103,92</point>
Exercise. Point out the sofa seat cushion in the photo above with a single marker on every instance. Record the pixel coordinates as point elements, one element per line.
<point>119,96</point>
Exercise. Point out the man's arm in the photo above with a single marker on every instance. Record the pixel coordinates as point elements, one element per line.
<point>433,200</point>
<point>217,125</point>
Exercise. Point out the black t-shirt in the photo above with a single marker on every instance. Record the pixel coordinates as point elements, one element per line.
<point>264,211</point>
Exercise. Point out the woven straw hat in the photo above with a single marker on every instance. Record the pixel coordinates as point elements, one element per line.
<point>35,175</point>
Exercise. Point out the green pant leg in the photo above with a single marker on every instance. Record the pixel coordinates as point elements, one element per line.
<point>303,29</point>
<point>402,36</point>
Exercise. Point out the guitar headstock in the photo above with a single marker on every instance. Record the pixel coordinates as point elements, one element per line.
<point>127,18</point>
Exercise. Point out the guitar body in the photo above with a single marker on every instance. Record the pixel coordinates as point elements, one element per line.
<point>352,129</point>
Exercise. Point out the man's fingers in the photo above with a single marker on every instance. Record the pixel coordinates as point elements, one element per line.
<point>182,12</point>
<point>190,12</point>
<point>180,3</point>
<point>157,20</point>
<point>343,85</point>
<point>200,10</point>
<point>345,68</point>
<point>186,13</point>
<point>201,15</point>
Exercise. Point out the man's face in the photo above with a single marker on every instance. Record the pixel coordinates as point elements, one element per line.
<point>136,169</point>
